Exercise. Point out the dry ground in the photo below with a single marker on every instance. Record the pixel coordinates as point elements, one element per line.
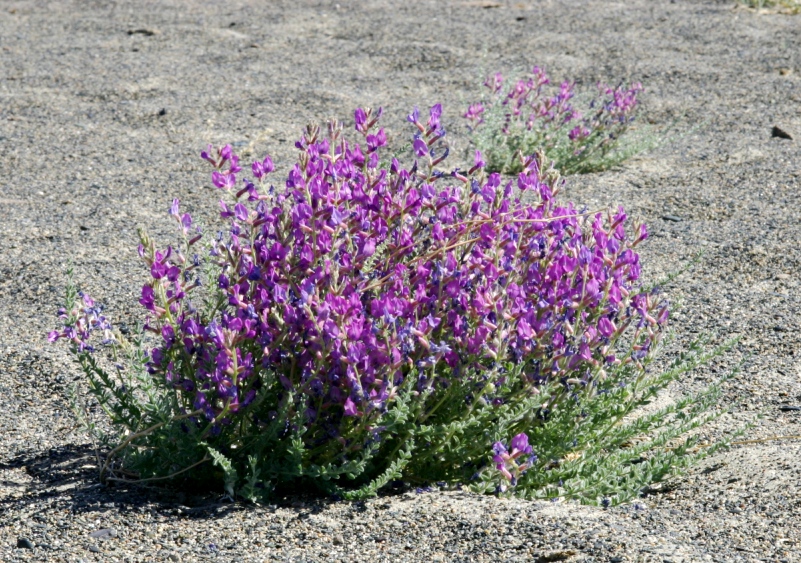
<point>104,107</point>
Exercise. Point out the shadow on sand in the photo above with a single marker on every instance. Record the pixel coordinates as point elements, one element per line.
<point>68,475</point>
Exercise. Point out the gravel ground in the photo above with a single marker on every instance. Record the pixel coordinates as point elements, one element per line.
<point>104,107</point>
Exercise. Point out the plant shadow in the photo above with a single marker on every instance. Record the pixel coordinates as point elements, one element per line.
<point>68,476</point>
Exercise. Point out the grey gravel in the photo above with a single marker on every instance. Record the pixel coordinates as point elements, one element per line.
<point>104,108</point>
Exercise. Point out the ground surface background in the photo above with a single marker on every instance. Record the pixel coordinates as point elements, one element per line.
<point>104,107</point>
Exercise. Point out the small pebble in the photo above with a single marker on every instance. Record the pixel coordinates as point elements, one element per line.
<point>104,533</point>
<point>24,543</point>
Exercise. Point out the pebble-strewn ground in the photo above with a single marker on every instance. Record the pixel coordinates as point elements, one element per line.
<point>104,107</point>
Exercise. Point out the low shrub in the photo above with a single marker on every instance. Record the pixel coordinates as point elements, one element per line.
<point>532,114</point>
<point>373,322</point>
<point>784,6</point>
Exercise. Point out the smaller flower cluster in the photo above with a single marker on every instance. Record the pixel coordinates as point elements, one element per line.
<point>529,116</point>
<point>226,164</point>
<point>526,101</point>
<point>514,461</point>
<point>80,322</point>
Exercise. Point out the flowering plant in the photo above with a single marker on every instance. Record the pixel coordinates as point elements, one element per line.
<point>532,114</point>
<point>372,322</point>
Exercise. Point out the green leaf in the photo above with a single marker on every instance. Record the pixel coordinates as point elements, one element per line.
<point>230,475</point>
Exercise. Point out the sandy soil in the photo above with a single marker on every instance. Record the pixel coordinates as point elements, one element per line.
<point>104,107</point>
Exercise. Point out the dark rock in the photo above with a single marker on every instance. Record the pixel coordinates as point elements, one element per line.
<point>24,543</point>
<point>143,31</point>
<point>780,133</point>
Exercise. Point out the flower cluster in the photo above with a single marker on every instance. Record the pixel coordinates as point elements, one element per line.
<point>506,459</point>
<point>369,318</point>
<point>529,116</point>
<point>80,322</point>
<point>356,280</point>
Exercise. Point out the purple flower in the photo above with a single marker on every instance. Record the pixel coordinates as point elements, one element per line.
<point>434,116</point>
<point>168,334</point>
<point>261,169</point>
<point>350,408</point>
<point>494,82</point>
<point>240,212</point>
<point>605,327</point>
<point>374,142</point>
<point>148,298</point>
<point>360,117</point>
<point>206,155</point>
<point>498,448</point>
<point>478,162</point>
<point>474,113</point>
<point>338,217</point>
<point>642,234</point>
<point>158,270</point>
<point>173,272</point>
<point>223,181</point>
<point>524,330</point>
<point>226,152</point>
<point>578,133</point>
<point>420,147</point>
<point>520,444</point>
